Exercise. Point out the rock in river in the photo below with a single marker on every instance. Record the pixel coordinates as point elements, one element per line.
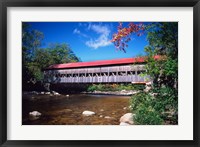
<point>124,124</point>
<point>55,93</point>
<point>107,117</point>
<point>34,115</point>
<point>88,113</point>
<point>127,118</point>
<point>47,92</point>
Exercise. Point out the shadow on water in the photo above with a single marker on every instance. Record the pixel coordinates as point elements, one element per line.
<point>67,110</point>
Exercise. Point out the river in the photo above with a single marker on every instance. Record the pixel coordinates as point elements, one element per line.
<point>67,110</point>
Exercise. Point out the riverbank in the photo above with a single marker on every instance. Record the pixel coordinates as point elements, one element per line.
<point>116,93</point>
<point>120,93</point>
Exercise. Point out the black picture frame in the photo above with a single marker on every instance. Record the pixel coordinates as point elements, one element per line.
<point>94,3</point>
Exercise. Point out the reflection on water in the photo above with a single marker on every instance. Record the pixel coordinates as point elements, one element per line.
<point>63,110</point>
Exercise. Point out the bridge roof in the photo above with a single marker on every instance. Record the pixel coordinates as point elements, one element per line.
<point>99,63</point>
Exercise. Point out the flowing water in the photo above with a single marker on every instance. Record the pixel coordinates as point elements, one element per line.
<point>64,110</point>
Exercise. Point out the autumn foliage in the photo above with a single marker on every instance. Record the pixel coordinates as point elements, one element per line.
<point>123,35</point>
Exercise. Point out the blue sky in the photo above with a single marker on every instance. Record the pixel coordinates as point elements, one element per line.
<point>90,41</point>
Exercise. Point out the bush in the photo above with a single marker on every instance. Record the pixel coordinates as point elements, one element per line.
<point>139,86</point>
<point>159,105</point>
<point>147,116</point>
<point>139,99</point>
<point>114,87</point>
<point>91,88</point>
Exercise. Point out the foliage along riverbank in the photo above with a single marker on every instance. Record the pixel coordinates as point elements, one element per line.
<point>114,89</point>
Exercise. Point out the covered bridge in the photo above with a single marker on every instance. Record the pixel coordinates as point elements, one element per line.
<point>126,70</point>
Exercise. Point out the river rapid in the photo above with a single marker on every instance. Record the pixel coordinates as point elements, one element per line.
<point>67,109</point>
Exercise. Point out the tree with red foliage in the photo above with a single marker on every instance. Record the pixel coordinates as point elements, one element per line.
<point>123,36</point>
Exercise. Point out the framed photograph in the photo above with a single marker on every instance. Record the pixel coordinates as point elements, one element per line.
<point>82,73</point>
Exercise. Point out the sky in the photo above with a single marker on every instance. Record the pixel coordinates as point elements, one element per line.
<point>90,41</point>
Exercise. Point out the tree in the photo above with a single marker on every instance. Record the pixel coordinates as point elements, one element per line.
<point>44,57</point>
<point>163,41</point>
<point>160,103</point>
<point>35,58</point>
<point>123,36</point>
<point>62,53</point>
<point>31,40</point>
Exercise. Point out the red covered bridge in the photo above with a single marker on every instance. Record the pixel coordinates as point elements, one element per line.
<point>125,70</point>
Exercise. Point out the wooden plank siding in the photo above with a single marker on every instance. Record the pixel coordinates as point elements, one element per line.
<point>105,74</point>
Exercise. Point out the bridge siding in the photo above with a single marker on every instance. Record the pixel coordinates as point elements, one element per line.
<point>109,74</point>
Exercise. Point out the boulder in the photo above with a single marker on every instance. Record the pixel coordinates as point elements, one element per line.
<point>34,115</point>
<point>124,124</point>
<point>47,92</point>
<point>34,92</point>
<point>88,113</point>
<point>127,118</point>
<point>107,117</point>
<point>55,93</point>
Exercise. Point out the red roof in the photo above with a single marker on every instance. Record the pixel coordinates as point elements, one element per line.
<point>99,63</point>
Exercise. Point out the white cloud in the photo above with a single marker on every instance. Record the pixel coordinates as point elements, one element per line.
<point>76,31</point>
<point>103,39</point>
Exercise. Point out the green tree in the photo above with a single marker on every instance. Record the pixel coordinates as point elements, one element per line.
<point>54,54</point>
<point>163,41</point>
<point>161,102</point>
<point>31,40</point>
<point>35,59</point>
<point>62,53</point>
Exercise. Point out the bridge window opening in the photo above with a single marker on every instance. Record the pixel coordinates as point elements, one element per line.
<point>96,74</point>
<point>112,73</point>
<point>68,75</point>
<point>99,74</point>
<point>88,75</point>
<point>131,73</point>
<point>82,75</point>
<point>122,73</point>
<point>105,74</point>
<point>75,75</point>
